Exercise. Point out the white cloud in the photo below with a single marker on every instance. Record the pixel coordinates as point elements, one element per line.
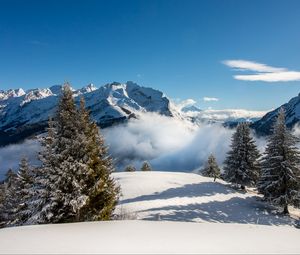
<point>210,99</point>
<point>262,72</point>
<point>183,103</point>
<point>230,114</point>
<point>168,143</point>
<point>270,77</point>
<point>252,66</point>
<point>11,155</point>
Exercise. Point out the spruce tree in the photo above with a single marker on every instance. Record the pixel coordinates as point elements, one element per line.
<point>99,187</point>
<point>211,169</point>
<point>146,166</point>
<point>130,168</point>
<point>74,181</point>
<point>2,197</point>
<point>9,198</point>
<point>280,178</point>
<point>242,163</point>
<point>23,193</point>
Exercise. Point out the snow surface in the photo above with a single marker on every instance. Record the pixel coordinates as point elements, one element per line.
<point>191,197</point>
<point>136,237</point>
<point>169,204</point>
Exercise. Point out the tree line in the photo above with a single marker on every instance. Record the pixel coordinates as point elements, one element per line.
<point>276,173</point>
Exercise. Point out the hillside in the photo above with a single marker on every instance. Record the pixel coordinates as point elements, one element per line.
<point>164,208</point>
<point>191,197</point>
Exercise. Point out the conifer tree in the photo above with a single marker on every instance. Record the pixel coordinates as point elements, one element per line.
<point>23,193</point>
<point>100,188</point>
<point>211,169</point>
<point>9,201</point>
<point>242,163</point>
<point>2,191</point>
<point>74,182</point>
<point>280,178</point>
<point>146,166</point>
<point>130,168</point>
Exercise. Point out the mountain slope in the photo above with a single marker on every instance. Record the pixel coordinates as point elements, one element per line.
<point>292,110</point>
<point>23,114</point>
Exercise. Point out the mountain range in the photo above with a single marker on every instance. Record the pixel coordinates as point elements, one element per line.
<point>26,113</point>
<point>23,114</point>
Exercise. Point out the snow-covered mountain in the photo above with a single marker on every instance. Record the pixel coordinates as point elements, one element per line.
<point>292,111</point>
<point>26,113</point>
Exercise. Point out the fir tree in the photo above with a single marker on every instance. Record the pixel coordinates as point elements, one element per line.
<point>2,197</point>
<point>279,182</point>
<point>130,168</point>
<point>211,169</point>
<point>9,201</point>
<point>23,193</point>
<point>146,166</point>
<point>74,182</point>
<point>242,163</point>
<point>100,188</point>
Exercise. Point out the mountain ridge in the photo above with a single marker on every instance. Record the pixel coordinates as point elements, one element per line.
<point>23,114</point>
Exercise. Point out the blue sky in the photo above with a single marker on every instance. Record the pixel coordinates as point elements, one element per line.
<point>178,47</point>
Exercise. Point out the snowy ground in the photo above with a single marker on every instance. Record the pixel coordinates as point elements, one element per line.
<point>149,237</point>
<point>190,197</point>
<point>165,207</point>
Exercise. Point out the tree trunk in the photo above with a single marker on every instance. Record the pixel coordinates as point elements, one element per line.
<point>286,209</point>
<point>215,178</point>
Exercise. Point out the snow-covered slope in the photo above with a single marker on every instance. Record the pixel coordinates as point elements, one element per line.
<point>149,237</point>
<point>292,110</point>
<point>23,114</point>
<point>166,198</point>
<point>190,197</point>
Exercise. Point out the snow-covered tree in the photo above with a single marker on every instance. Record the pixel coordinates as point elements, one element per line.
<point>146,166</point>
<point>8,200</point>
<point>211,168</point>
<point>23,193</point>
<point>242,163</point>
<point>99,186</point>
<point>74,181</point>
<point>280,178</point>
<point>130,168</point>
<point>2,197</point>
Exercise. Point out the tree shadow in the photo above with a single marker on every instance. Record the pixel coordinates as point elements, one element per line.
<point>188,190</point>
<point>235,210</point>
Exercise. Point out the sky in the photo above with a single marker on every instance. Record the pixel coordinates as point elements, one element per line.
<point>222,54</point>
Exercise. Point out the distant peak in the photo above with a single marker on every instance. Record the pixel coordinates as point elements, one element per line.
<point>89,88</point>
<point>11,93</point>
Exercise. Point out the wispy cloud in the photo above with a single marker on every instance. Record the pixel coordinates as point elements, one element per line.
<point>210,99</point>
<point>186,102</point>
<point>262,72</point>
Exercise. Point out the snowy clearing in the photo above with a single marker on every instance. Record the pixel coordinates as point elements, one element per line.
<point>149,237</point>
<point>190,197</point>
<point>160,199</point>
